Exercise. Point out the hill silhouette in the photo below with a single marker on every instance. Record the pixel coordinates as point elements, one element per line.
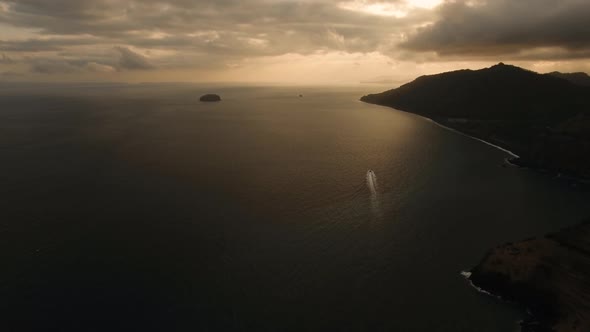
<point>576,78</point>
<point>545,119</point>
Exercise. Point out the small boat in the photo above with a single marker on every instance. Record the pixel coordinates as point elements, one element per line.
<point>372,181</point>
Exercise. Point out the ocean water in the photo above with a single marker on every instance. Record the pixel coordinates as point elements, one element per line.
<point>138,208</point>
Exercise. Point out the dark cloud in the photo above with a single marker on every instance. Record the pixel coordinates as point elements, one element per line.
<point>504,27</point>
<point>6,59</point>
<point>70,36</point>
<point>45,44</point>
<point>53,67</point>
<point>98,67</point>
<point>118,18</point>
<point>238,28</point>
<point>59,66</point>
<point>132,60</point>
<point>10,74</point>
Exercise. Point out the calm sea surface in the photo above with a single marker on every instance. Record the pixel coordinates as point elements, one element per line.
<point>137,208</point>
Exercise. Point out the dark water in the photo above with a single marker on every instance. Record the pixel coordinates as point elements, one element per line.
<point>139,208</point>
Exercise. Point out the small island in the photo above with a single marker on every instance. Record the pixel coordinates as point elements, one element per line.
<point>210,98</point>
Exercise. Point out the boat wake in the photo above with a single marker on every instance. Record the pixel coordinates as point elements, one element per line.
<point>372,182</point>
<point>373,189</point>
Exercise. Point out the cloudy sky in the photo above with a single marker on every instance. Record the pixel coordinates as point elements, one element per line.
<point>289,41</point>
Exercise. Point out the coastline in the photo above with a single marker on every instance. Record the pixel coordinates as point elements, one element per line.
<point>514,159</point>
<point>457,131</point>
<point>544,275</point>
<point>512,154</point>
<point>467,275</point>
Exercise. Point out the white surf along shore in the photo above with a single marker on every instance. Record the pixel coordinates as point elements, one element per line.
<point>467,276</point>
<point>475,138</point>
<point>512,154</point>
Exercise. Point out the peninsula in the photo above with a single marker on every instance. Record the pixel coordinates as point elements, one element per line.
<point>545,120</point>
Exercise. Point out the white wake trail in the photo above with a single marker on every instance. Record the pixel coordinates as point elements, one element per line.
<point>374,190</point>
<point>372,182</point>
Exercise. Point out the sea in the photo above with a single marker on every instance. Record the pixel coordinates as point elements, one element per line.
<point>135,207</point>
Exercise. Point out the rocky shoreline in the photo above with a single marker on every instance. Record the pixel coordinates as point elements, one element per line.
<point>547,275</point>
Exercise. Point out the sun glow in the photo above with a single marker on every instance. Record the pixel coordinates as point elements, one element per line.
<point>384,8</point>
<point>429,4</point>
<point>375,8</point>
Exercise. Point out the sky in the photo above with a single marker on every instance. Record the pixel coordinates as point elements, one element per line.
<point>285,41</point>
